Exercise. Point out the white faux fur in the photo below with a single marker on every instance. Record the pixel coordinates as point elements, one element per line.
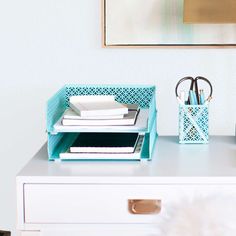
<point>208,216</point>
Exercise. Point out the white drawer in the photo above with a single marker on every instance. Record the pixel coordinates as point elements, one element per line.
<point>78,203</point>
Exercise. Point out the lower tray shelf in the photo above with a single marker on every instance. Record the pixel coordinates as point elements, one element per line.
<point>58,149</point>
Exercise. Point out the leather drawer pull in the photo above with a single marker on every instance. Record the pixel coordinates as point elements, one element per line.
<point>144,206</point>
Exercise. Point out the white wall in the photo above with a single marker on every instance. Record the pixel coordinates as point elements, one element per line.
<point>47,43</point>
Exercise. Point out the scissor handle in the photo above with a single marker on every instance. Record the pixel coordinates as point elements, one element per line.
<point>181,81</point>
<point>207,81</point>
<point>192,83</point>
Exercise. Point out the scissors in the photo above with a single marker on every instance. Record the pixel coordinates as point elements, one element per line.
<point>194,87</point>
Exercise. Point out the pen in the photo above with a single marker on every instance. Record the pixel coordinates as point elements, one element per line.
<point>207,101</point>
<point>195,98</point>
<point>192,98</point>
<point>202,97</point>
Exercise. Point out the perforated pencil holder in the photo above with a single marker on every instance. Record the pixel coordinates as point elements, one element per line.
<point>193,124</point>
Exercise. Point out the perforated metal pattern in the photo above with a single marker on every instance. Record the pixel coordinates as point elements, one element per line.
<point>129,95</point>
<point>53,141</point>
<point>55,107</point>
<point>144,96</point>
<point>193,124</point>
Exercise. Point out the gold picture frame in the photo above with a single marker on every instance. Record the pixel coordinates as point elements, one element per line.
<point>112,28</point>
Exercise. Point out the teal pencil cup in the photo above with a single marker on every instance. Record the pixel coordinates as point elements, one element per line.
<point>193,124</point>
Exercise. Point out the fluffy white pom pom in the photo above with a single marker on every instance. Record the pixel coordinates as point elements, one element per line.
<point>203,216</point>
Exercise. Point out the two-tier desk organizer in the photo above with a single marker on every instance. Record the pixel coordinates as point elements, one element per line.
<point>61,137</point>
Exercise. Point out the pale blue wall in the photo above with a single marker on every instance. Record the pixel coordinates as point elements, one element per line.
<point>47,43</point>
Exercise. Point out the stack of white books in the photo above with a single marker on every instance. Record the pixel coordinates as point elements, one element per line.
<point>102,111</point>
<point>99,111</point>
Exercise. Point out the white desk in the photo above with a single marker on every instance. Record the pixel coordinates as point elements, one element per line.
<point>92,197</point>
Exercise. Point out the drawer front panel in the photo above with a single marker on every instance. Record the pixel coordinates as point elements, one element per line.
<point>76,203</point>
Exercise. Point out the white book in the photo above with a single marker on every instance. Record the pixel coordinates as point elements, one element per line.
<point>128,119</point>
<point>70,114</point>
<point>140,125</point>
<point>97,105</point>
<point>105,143</point>
<point>136,155</point>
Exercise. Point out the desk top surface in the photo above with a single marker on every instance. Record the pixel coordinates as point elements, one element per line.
<point>172,162</point>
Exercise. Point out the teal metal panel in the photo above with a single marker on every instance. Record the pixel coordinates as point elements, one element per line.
<point>144,95</point>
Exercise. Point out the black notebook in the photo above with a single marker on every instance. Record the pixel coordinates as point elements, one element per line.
<point>105,143</point>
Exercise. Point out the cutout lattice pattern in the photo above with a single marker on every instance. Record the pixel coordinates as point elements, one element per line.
<point>193,124</point>
<point>129,95</point>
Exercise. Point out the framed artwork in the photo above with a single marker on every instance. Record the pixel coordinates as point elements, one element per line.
<point>158,23</point>
<point>5,233</point>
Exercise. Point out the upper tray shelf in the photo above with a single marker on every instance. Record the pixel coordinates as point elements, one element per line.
<point>144,96</point>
